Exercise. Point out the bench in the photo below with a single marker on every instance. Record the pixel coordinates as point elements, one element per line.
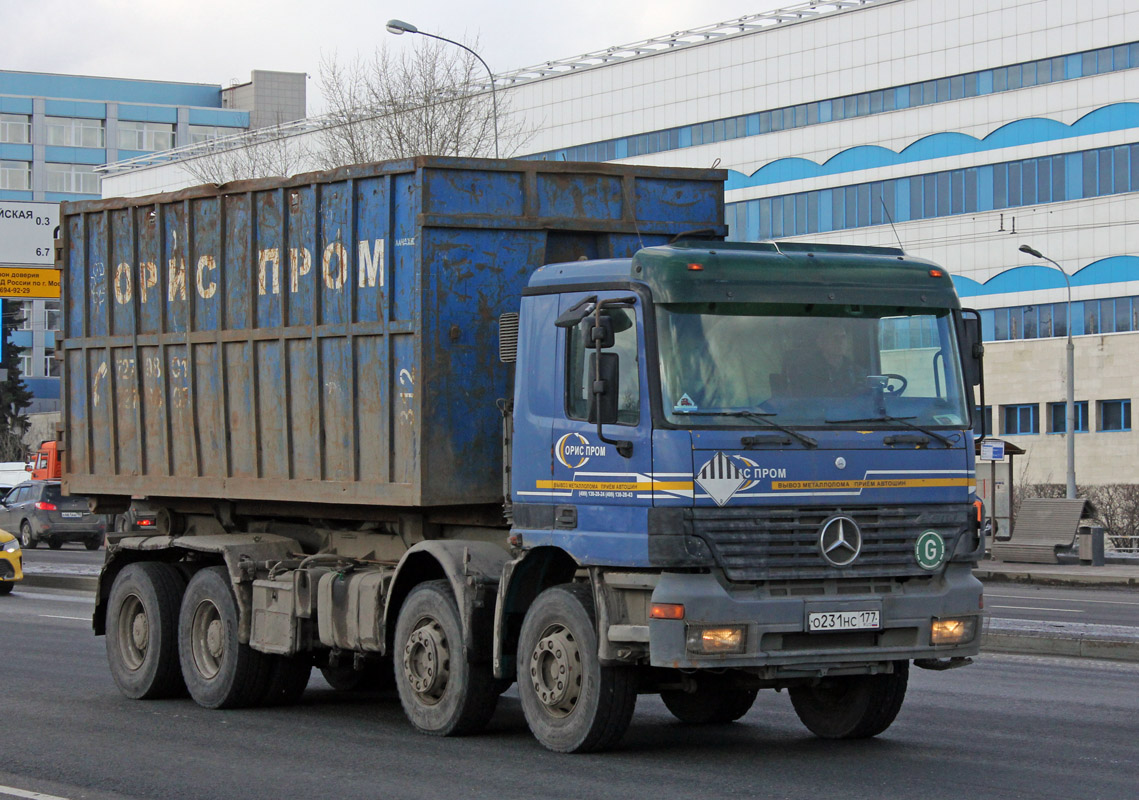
<point>1044,526</point>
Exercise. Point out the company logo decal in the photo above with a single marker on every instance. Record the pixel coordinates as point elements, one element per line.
<point>723,475</point>
<point>573,451</point>
<point>840,541</point>
<point>930,550</point>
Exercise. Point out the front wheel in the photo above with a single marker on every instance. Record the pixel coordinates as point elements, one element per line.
<point>6,587</point>
<point>852,707</point>
<point>718,699</point>
<point>572,703</point>
<point>219,671</point>
<point>442,693</point>
<point>54,544</point>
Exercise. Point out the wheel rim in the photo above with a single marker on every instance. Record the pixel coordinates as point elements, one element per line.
<point>555,671</point>
<point>26,536</point>
<point>207,639</point>
<point>427,661</point>
<point>133,633</point>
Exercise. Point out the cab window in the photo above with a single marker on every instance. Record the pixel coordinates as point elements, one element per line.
<point>579,363</point>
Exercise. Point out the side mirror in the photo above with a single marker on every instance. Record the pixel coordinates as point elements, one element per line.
<point>603,401</point>
<point>973,350</point>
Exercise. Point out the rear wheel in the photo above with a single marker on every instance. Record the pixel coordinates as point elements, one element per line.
<point>717,699</point>
<point>92,544</point>
<point>441,692</point>
<point>27,540</point>
<point>142,626</point>
<point>54,544</point>
<point>287,680</point>
<point>374,676</point>
<point>220,672</point>
<point>572,703</point>
<point>6,587</point>
<point>852,707</point>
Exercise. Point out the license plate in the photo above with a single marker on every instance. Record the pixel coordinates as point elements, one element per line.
<point>843,621</point>
<point>72,514</point>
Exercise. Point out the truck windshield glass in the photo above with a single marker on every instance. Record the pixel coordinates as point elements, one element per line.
<point>809,365</point>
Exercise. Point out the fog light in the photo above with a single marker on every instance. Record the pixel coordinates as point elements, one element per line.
<point>716,640</point>
<point>953,631</point>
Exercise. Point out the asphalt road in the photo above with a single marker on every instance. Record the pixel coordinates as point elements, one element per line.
<point>1106,606</point>
<point>1007,727</point>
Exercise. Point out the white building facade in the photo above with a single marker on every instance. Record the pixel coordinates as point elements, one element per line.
<point>974,127</point>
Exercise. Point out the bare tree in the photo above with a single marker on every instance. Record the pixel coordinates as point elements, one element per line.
<point>259,153</point>
<point>431,100</point>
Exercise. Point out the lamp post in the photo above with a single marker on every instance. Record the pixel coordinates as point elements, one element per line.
<point>399,27</point>
<point>1070,425</point>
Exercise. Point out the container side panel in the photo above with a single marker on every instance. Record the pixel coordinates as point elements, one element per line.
<point>208,396</point>
<point>462,191</point>
<point>153,411</point>
<point>125,410</point>
<point>75,295</point>
<point>405,261</point>
<point>150,272</point>
<point>181,418</point>
<point>78,419</point>
<point>691,204</point>
<point>272,259</point>
<point>336,420</point>
<point>304,414</point>
<point>476,275</point>
<point>176,250</point>
<point>336,253</point>
<point>237,262</point>
<point>272,408</point>
<point>102,409</point>
<point>124,278</point>
<point>304,264</point>
<point>372,408</point>
<point>241,424</point>
<point>573,196</point>
<point>205,253</point>
<point>373,246</point>
<point>404,381</point>
<point>98,274</point>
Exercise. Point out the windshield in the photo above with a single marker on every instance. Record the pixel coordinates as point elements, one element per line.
<point>809,365</point>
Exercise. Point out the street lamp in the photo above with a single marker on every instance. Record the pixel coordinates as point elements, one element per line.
<point>399,27</point>
<point>1071,409</point>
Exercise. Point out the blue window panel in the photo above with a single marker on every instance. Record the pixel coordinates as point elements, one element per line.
<point>1000,324</point>
<point>970,190</point>
<point>1114,415</point>
<point>1123,316</point>
<point>752,227</point>
<point>1028,182</point>
<point>16,194</point>
<point>1014,185</point>
<point>1000,186</point>
<point>1121,172</point>
<point>75,108</point>
<point>812,199</point>
<point>1020,420</point>
<point>1058,416</point>
<point>902,97</point>
<point>826,210</point>
<point>16,105</point>
<point>75,155</point>
<point>16,152</point>
<point>685,138</point>
<point>1078,318</point>
<point>789,216</point>
<point>752,124</point>
<point>148,113</point>
<point>985,200</point>
<point>985,81</point>
<point>1073,66</point>
<point>1044,71</point>
<point>987,333</point>
<point>1060,319</point>
<point>1074,167</point>
<point>901,201</point>
<point>622,148</point>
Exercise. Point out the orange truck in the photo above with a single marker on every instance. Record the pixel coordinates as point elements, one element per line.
<point>44,464</point>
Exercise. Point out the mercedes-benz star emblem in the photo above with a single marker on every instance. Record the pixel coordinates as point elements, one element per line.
<point>840,541</point>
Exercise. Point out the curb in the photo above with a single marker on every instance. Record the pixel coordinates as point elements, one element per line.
<point>1073,640</point>
<point>84,583</point>
<point>1047,579</point>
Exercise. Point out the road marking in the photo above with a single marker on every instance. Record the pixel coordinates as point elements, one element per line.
<point>1036,608</point>
<point>12,792</point>
<point>84,619</point>
<point>1074,600</point>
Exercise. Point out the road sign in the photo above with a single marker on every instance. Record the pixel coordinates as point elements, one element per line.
<point>27,232</point>
<point>992,450</point>
<point>29,284</point>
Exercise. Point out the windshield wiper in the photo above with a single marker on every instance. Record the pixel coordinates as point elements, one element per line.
<point>904,421</point>
<point>756,416</point>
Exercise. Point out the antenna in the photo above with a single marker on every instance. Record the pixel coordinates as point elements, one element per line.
<point>886,211</point>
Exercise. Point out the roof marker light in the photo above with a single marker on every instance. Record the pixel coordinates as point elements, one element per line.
<point>936,273</point>
<point>695,267</point>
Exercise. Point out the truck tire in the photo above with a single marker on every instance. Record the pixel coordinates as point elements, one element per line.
<point>27,539</point>
<point>718,699</point>
<point>853,707</point>
<point>442,693</point>
<point>219,671</point>
<point>572,703</point>
<point>142,630</point>
<point>288,678</point>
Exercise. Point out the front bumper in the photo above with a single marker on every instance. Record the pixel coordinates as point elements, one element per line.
<point>11,566</point>
<point>775,621</point>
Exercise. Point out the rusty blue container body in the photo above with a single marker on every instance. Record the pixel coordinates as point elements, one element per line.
<point>330,338</point>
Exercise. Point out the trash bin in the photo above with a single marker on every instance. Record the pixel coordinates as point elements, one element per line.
<point>1091,545</point>
<point>1097,547</point>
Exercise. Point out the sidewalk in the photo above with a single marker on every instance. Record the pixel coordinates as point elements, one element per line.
<point>1118,575</point>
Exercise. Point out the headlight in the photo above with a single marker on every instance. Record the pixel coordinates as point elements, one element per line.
<point>11,547</point>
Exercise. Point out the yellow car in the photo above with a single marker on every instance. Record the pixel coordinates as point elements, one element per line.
<point>11,562</point>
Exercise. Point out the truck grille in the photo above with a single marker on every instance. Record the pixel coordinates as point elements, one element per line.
<point>756,544</point>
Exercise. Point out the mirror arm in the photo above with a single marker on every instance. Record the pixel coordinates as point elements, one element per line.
<point>624,446</point>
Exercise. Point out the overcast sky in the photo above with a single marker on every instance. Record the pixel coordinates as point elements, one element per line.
<point>221,41</point>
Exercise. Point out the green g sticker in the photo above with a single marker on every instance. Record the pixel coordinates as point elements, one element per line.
<point>930,550</point>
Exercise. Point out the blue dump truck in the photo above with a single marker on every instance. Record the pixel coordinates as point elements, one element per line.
<point>456,424</point>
